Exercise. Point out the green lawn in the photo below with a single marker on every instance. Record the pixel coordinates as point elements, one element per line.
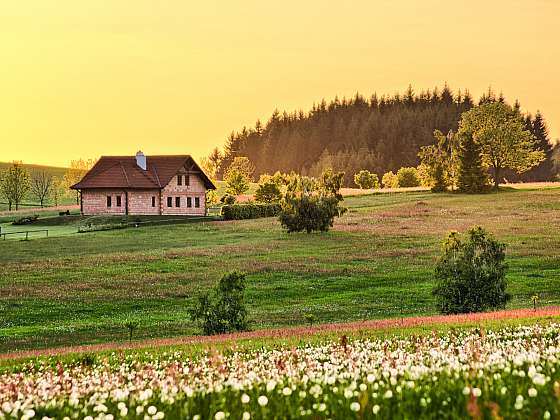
<point>377,262</point>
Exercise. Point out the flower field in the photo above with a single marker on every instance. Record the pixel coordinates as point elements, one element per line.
<point>507,373</point>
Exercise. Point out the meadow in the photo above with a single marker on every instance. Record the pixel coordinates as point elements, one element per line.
<point>377,262</point>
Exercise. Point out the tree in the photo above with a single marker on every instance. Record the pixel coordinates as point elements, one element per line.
<point>268,191</point>
<point>57,190</point>
<point>472,177</point>
<point>471,273</point>
<point>366,180</point>
<point>243,165</point>
<point>223,310</point>
<point>211,164</point>
<point>311,204</point>
<point>504,141</point>
<point>41,185</point>
<point>237,182</point>
<point>440,161</point>
<point>15,184</point>
<point>390,180</point>
<point>408,177</point>
<point>78,169</point>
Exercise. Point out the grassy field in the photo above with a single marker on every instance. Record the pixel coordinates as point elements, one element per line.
<point>377,262</point>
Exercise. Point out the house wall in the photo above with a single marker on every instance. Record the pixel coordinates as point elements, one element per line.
<point>94,202</point>
<point>195,188</point>
<point>140,202</point>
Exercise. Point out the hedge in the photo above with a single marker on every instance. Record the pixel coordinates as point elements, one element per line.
<point>250,211</point>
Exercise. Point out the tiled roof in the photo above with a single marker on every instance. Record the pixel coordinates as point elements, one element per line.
<point>123,172</point>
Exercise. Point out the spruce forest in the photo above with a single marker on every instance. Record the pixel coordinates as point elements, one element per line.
<point>380,134</point>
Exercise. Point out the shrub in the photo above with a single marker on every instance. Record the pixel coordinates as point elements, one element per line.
<point>310,213</point>
<point>223,310</point>
<point>408,177</point>
<point>366,180</point>
<point>27,220</point>
<point>268,191</point>
<point>471,274</point>
<point>250,211</point>
<point>390,180</point>
<point>228,199</point>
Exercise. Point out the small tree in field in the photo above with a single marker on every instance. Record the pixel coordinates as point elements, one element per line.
<point>237,182</point>
<point>14,184</point>
<point>366,180</point>
<point>41,186</point>
<point>390,180</point>
<point>311,204</point>
<point>223,310</point>
<point>408,177</point>
<point>471,274</point>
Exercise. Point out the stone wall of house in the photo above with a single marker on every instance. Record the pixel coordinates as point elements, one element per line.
<point>186,193</point>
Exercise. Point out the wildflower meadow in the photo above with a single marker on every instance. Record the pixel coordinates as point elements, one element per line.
<point>506,373</point>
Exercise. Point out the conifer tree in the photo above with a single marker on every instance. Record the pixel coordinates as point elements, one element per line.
<point>472,177</point>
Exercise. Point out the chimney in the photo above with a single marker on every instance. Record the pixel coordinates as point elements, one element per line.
<point>141,160</point>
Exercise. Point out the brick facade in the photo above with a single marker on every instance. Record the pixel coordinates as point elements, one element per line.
<point>94,201</point>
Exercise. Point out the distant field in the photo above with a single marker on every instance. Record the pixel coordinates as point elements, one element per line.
<point>377,262</point>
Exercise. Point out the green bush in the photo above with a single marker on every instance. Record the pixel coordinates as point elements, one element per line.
<point>471,274</point>
<point>408,177</point>
<point>310,213</point>
<point>268,191</point>
<point>250,211</point>
<point>366,180</point>
<point>228,199</point>
<point>223,310</point>
<point>390,180</point>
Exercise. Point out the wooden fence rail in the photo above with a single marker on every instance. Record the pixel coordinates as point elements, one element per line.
<point>27,232</point>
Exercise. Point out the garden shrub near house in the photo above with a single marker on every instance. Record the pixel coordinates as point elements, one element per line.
<point>471,273</point>
<point>250,211</point>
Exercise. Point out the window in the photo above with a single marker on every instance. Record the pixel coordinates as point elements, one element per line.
<point>179,179</point>
<point>187,180</point>
<point>153,201</point>
<point>177,201</point>
<point>109,201</point>
<point>197,202</point>
<point>169,201</point>
<point>119,201</point>
<point>189,202</point>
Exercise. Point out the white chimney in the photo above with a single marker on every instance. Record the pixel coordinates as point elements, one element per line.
<point>141,160</point>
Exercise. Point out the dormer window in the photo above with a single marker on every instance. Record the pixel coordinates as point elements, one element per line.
<point>179,179</point>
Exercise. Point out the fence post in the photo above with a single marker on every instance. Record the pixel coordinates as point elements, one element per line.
<point>26,235</point>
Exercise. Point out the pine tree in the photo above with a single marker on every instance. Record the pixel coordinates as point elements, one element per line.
<point>472,177</point>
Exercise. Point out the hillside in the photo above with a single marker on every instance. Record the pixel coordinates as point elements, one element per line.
<point>377,262</point>
<point>377,133</point>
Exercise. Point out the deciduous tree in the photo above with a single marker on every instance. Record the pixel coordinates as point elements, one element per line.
<point>41,185</point>
<point>15,184</point>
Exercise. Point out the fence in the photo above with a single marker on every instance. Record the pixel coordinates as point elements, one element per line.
<point>26,232</point>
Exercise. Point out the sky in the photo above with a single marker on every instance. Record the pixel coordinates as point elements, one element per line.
<point>80,79</point>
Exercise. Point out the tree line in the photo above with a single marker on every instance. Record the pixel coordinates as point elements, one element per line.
<point>379,134</point>
<point>18,184</point>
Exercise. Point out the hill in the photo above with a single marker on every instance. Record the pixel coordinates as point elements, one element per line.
<point>379,134</point>
<point>377,262</point>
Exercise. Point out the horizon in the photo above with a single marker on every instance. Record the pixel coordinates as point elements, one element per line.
<point>94,79</point>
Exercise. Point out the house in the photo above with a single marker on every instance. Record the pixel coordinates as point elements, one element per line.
<point>144,185</point>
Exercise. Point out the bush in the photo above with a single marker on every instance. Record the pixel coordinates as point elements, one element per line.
<point>390,180</point>
<point>223,310</point>
<point>366,180</point>
<point>228,199</point>
<point>471,274</point>
<point>408,177</point>
<point>27,220</point>
<point>310,213</point>
<point>250,211</point>
<point>268,191</point>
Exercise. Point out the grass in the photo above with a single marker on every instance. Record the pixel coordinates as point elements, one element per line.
<point>377,262</point>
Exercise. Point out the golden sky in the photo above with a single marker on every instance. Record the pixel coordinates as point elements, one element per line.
<point>82,78</point>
